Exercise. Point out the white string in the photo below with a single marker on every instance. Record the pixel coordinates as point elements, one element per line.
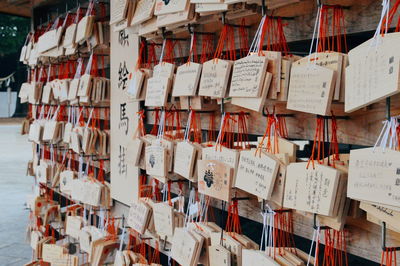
<point>264,230</point>
<point>255,44</point>
<point>162,51</point>
<point>55,113</point>
<point>160,133</point>
<point>90,118</point>
<point>52,154</point>
<point>122,238</point>
<point>188,216</point>
<point>191,46</point>
<point>78,69</point>
<point>80,168</point>
<point>316,26</point>
<point>187,129</point>
<point>378,141</point>
<point>165,192</point>
<point>69,114</point>
<point>48,75</point>
<point>220,129</point>
<point>79,116</point>
<point>89,64</point>
<point>385,11</point>
<point>312,244</point>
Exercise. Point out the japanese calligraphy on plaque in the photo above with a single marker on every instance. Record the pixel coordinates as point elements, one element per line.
<point>256,173</point>
<point>215,77</point>
<point>157,91</point>
<point>375,173</point>
<point>311,89</point>
<point>373,73</point>
<point>311,190</point>
<point>248,76</point>
<point>139,214</point>
<point>187,79</point>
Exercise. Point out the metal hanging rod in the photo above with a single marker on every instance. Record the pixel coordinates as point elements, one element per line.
<point>344,117</point>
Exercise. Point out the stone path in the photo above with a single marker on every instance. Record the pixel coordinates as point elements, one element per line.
<point>15,152</point>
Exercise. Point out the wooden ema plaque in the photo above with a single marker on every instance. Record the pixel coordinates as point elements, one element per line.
<point>311,190</point>
<point>311,89</point>
<point>215,77</point>
<point>375,173</point>
<point>373,73</point>
<point>256,173</point>
<point>248,76</point>
<point>215,179</point>
<point>187,79</point>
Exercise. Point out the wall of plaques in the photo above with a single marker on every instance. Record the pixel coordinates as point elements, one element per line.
<point>156,126</point>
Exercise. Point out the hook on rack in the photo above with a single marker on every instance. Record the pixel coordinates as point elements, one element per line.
<point>384,247</point>
<point>263,8</point>
<point>388,108</point>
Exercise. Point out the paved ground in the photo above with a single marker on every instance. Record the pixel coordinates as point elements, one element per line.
<point>15,152</point>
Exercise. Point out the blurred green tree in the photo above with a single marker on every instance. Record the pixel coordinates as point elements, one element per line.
<point>13,31</point>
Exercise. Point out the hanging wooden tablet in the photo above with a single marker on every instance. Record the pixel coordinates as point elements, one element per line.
<point>73,226</point>
<point>373,73</point>
<point>118,10</point>
<point>256,173</point>
<point>311,190</point>
<point>214,78</point>
<point>215,179</point>
<point>331,60</point>
<point>248,76</point>
<point>175,20</point>
<point>219,256</point>
<point>144,11</point>
<point>375,172</point>
<point>230,243</point>
<point>257,257</point>
<point>66,178</point>
<point>156,160</point>
<point>184,247</point>
<point>184,159</point>
<point>157,91</point>
<point>228,156</point>
<point>136,80</point>
<point>187,79</point>
<point>85,26</point>
<point>70,33</point>
<point>164,221</point>
<point>389,216</point>
<point>311,89</point>
<point>139,216</point>
<point>255,104</point>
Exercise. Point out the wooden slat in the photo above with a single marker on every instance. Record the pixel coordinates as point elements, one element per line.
<point>21,8</point>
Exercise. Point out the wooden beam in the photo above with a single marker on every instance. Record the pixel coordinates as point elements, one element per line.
<point>22,10</point>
